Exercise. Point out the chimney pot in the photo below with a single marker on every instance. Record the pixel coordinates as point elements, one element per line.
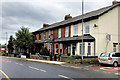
<point>45,25</point>
<point>115,2</point>
<point>67,16</point>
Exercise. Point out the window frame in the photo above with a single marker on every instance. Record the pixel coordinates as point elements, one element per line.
<point>76,29</point>
<point>87,27</point>
<point>59,33</point>
<point>67,31</point>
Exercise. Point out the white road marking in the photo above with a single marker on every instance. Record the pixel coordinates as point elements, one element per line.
<point>65,77</point>
<point>37,69</point>
<point>19,64</point>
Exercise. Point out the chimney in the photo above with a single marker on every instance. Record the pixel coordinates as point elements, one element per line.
<point>115,2</point>
<point>68,17</point>
<point>45,25</point>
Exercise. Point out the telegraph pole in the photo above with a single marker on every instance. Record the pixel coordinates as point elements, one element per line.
<point>6,42</point>
<point>82,32</point>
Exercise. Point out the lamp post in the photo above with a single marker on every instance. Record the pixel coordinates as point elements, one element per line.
<point>6,42</point>
<point>82,32</point>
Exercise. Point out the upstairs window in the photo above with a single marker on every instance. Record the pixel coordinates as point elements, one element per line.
<point>36,36</point>
<point>40,36</point>
<point>67,31</point>
<point>44,35</point>
<point>76,29</point>
<point>49,34</point>
<point>87,27</point>
<point>59,33</point>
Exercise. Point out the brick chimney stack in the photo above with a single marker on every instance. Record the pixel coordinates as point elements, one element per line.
<point>45,25</point>
<point>115,2</point>
<point>68,17</point>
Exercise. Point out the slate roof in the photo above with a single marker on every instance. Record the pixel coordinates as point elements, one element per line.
<point>91,14</point>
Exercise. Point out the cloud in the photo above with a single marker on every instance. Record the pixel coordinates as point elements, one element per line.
<point>33,13</point>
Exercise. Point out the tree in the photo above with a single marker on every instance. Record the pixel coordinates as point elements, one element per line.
<point>24,40</point>
<point>10,45</point>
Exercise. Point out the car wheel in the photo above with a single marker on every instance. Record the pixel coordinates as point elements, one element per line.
<point>115,64</point>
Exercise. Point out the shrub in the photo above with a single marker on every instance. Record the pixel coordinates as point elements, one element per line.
<point>76,56</point>
<point>3,53</point>
<point>44,51</point>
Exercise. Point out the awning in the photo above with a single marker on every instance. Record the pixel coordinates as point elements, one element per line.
<point>86,38</point>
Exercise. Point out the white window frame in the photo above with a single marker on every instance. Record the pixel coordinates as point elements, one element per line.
<point>89,46</point>
<point>87,27</point>
<point>43,35</point>
<point>59,33</point>
<point>82,49</point>
<point>76,29</point>
<point>67,31</point>
<point>48,34</point>
<point>60,48</point>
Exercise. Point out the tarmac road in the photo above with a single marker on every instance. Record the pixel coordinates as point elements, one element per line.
<point>20,69</point>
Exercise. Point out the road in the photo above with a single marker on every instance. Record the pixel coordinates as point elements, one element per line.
<point>16,68</point>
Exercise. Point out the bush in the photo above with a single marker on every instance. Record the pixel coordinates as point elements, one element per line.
<point>36,54</point>
<point>3,53</point>
<point>44,51</point>
<point>64,55</point>
<point>76,56</point>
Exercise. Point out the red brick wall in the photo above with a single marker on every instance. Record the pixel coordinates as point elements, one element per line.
<point>69,31</point>
<point>41,35</point>
<point>55,34</point>
<point>58,48</point>
<point>46,35</point>
<point>37,36</point>
<point>62,32</point>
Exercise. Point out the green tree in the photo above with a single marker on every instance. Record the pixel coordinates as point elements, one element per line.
<point>24,40</point>
<point>10,45</point>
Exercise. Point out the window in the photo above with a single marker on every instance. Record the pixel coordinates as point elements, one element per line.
<point>49,47</point>
<point>56,48</point>
<point>89,48</point>
<point>59,33</point>
<point>114,47</point>
<point>87,27</point>
<point>73,49</point>
<point>105,55</point>
<point>67,31</point>
<point>39,36</point>
<point>60,48</point>
<point>69,50</point>
<point>76,29</point>
<point>49,34</point>
<point>82,48</point>
<point>36,36</point>
<point>44,35</point>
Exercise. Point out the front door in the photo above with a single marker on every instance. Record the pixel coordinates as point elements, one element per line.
<point>56,48</point>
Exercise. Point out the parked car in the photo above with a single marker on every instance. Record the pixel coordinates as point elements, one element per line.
<point>111,58</point>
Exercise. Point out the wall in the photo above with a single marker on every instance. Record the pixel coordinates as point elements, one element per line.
<point>108,24</point>
<point>119,26</point>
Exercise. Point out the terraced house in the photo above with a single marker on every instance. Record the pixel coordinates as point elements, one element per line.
<point>101,30</point>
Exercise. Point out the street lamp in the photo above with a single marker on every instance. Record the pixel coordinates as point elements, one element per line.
<point>82,32</point>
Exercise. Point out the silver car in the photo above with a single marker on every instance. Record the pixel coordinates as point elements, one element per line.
<point>112,58</point>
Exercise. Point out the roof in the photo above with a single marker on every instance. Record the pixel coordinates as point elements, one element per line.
<point>88,15</point>
<point>86,38</point>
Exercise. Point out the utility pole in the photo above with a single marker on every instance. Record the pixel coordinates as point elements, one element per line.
<point>6,42</point>
<point>82,32</point>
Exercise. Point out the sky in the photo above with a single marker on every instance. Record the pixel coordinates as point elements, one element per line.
<point>34,13</point>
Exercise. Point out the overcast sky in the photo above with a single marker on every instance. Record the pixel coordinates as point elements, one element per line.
<point>33,13</point>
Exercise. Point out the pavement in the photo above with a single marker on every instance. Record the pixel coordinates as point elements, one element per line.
<point>12,68</point>
<point>85,66</point>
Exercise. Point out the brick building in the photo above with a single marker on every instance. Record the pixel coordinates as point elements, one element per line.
<point>101,33</point>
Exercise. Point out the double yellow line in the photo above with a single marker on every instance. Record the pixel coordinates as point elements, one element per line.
<point>4,74</point>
